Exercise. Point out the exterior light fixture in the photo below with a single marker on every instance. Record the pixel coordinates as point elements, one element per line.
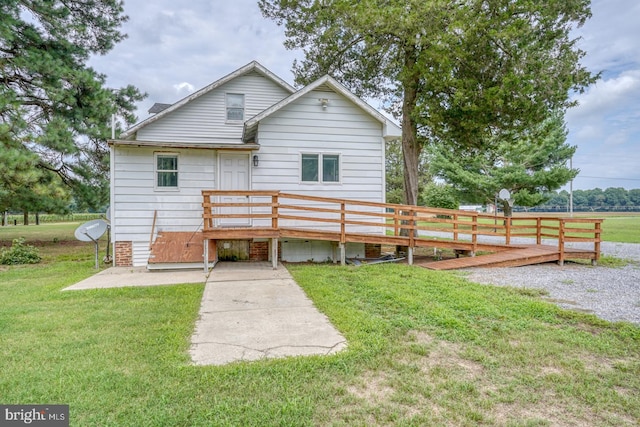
<point>324,102</point>
<point>256,160</point>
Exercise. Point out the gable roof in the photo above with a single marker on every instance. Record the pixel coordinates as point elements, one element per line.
<point>389,131</point>
<point>252,66</point>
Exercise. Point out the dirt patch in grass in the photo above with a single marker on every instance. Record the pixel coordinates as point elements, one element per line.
<point>444,359</point>
<point>445,382</point>
<point>373,389</point>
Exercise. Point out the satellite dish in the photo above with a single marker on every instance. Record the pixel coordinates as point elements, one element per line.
<point>504,194</point>
<point>91,231</point>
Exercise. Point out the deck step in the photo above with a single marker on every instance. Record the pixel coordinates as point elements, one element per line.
<point>176,247</point>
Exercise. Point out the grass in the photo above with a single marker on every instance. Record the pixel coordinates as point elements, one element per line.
<point>425,348</point>
<point>624,229</point>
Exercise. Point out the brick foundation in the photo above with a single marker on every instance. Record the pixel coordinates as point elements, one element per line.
<point>123,254</point>
<point>259,251</point>
<point>372,250</point>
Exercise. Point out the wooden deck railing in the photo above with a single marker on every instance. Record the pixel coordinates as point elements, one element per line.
<point>246,214</point>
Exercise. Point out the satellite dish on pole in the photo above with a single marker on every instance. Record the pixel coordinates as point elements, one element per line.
<point>504,194</point>
<point>90,232</point>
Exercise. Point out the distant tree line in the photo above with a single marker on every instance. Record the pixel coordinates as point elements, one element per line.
<point>615,199</point>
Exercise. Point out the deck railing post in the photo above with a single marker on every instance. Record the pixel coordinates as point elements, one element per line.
<point>474,233</point>
<point>274,211</point>
<point>396,223</point>
<point>538,230</point>
<point>455,227</point>
<point>206,210</point>
<point>561,240</point>
<point>412,236</point>
<point>343,226</point>
<point>596,246</point>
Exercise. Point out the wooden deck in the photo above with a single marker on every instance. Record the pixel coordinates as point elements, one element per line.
<point>275,215</point>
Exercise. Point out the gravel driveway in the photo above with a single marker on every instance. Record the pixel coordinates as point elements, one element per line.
<point>609,293</point>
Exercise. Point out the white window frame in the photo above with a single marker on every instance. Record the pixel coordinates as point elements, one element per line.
<point>321,155</point>
<point>156,170</point>
<point>226,107</point>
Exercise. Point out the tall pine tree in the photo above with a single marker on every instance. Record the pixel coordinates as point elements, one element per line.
<point>530,167</point>
<point>55,111</point>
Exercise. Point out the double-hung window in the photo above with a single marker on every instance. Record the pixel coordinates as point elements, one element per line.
<point>320,167</point>
<point>235,107</point>
<point>166,171</point>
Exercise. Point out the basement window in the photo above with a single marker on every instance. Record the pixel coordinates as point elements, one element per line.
<point>167,171</point>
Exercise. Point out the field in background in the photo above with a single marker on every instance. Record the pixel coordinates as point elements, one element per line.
<point>50,218</point>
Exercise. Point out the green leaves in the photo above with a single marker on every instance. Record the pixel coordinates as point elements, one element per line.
<point>461,73</point>
<point>19,253</point>
<point>529,166</point>
<point>54,108</point>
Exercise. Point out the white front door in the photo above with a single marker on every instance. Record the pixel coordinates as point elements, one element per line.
<point>234,175</point>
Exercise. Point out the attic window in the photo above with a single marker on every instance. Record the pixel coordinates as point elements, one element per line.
<point>235,107</point>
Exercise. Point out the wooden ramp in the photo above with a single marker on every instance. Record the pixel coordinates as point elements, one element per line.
<point>513,257</point>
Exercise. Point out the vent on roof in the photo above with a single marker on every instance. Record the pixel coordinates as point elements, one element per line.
<point>157,107</point>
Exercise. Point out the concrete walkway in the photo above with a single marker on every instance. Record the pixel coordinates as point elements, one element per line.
<point>120,277</point>
<point>248,312</point>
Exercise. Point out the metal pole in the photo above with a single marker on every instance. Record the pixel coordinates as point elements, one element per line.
<point>495,213</point>
<point>571,190</point>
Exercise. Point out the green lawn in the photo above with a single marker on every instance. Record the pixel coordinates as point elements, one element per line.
<point>621,229</point>
<point>425,348</point>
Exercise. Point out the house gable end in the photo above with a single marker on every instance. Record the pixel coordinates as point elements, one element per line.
<point>324,84</point>
<point>263,87</point>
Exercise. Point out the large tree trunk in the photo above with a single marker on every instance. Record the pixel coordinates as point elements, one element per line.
<point>25,218</point>
<point>410,146</point>
<point>507,209</point>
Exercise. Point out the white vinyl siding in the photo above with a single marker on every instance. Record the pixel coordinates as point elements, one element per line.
<point>204,119</point>
<point>304,127</point>
<point>134,199</point>
<point>341,129</point>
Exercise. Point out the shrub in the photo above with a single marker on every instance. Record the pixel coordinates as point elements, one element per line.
<point>440,196</point>
<point>19,253</point>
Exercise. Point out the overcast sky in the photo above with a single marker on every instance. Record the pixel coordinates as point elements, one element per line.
<point>178,46</point>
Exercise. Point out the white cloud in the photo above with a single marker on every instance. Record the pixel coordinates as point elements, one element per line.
<point>184,88</point>
<point>614,93</point>
<point>617,138</point>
